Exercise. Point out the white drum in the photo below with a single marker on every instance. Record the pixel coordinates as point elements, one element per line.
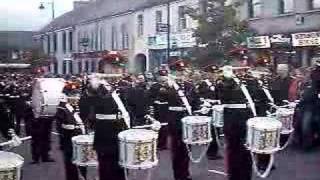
<point>285,116</point>
<point>217,116</point>
<point>138,149</point>
<point>83,152</point>
<point>10,166</point>
<point>263,135</point>
<point>196,130</point>
<point>46,96</point>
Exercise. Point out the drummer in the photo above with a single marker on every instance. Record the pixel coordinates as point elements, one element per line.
<point>177,111</point>
<point>100,106</point>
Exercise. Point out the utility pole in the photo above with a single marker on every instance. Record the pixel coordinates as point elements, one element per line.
<point>169,31</point>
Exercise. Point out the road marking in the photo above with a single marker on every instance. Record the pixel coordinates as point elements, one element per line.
<point>218,172</point>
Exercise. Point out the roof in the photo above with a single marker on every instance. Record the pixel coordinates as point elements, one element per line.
<point>97,10</point>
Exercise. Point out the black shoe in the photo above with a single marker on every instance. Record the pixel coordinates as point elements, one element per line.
<point>48,160</point>
<point>35,162</point>
<point>188,178</point>
<point>214,157</point>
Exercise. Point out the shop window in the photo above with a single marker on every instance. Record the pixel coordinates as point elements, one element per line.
<point>140,25</point>
<point>86,66</point>
<point>93,66</point>
<point>55,68</point>
<point>64,67</point>
<point>182,17</point>
<point>80,67</point>
<point>71,67</point>
<point>255,8</point>
<point>286,6</point>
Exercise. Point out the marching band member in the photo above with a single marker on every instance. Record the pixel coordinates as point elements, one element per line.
<point>68,127</point>
<point>236,113</point>
<point>109,122</point>
<point>179,107</point>
<point>158,93</point>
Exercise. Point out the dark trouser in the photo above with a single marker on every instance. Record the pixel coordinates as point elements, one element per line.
<point>41,138</point>
<point>213,148</point>
<point>160,115</point>
<point>109,168</point>
<point>238,159</point>
<point>180,158</point>
<point>71,170</point>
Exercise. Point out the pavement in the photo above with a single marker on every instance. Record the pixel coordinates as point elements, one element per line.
<point>291,164</point>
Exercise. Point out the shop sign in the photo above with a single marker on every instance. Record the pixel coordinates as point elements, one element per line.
<point>280,39</point>
<point>258,42</point>
<point>179,40</point>
<point>306,39</point>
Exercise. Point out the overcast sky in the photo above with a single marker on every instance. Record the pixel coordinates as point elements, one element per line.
<point>24,15</point>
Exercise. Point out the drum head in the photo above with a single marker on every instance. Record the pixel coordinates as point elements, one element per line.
<point>83,139</point>
<point>284,112</point>
<point>137,135</point>
<point>218,107</point>
<point>264,123</point>
<point>10,160</point>
<point>196,120</point>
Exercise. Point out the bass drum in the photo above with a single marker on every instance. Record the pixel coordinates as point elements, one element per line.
<point>46,96</point>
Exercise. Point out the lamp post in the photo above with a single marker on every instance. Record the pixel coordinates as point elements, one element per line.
<point>42,7</point>
<point>169,31</point>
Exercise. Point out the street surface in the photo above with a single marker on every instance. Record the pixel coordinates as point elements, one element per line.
<point>291,165</point>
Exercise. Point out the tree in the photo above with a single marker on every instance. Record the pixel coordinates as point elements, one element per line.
<point>218,32</point>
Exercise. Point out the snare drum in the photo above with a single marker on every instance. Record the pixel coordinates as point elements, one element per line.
<point>263,135</point>
<point>138,149</point>
<point>196,130</point>
<point>285,116</point>
<point>217,116</point>
<point>10,166</point>
<point>83,152</point>
<point>46,96</point>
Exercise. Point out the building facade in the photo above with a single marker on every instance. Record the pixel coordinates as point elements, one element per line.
<point>135,29</point>
<point>287,30</point>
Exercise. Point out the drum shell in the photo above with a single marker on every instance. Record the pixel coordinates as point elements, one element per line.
<point>196,133</point>
<point>138,154</point>
<point>13,172</point>
<point>285,116</point>
<point>83,151</point>
<point>217,116</point>
<point>263,140</point>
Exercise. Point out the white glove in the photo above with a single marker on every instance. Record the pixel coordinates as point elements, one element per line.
<point>15,141</point>
<point>156,126</point>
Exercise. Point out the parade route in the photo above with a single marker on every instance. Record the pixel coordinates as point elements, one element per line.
<point>291,165</point>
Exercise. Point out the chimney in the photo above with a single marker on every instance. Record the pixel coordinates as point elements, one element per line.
<point>79,4</point>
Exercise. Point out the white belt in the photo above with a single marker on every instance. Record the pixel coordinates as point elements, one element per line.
<point>69,127</point>
<point>177,109</point>
<point>235,106</point>
<point>160,103</point>
<point>108,116</point>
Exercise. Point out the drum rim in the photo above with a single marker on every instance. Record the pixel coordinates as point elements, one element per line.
<point>74,140</point>
<point>205,120</point>
<point>18,165</point>
<point>152,136</point>
<point>252,124</point>
<point>150,165</point>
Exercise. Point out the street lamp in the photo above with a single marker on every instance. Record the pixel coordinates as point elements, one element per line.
<point>42,7</point>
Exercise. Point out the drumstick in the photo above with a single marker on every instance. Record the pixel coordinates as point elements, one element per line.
<point>148,126</point>
<point>9,142</point>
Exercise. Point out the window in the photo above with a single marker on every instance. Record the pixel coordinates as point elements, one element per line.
<point>314,4</point>
<point>86,67</point>
<point>96,43</point>
<point>93,66</point>
<point>79,67</point>
<point>125,36</point>
<point>255,8</point>
<point>54,42</point>
<point>71,67</point>
<point>64,67</point>
<point>182,17</point>
<point>102,38</point>
<point>49,44</point>
<point>286,6</point>
<point>158,16</point>
<point>140,25</point>
<point>114,38</point>
<point>70,41</point>
<point>64,41</point>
